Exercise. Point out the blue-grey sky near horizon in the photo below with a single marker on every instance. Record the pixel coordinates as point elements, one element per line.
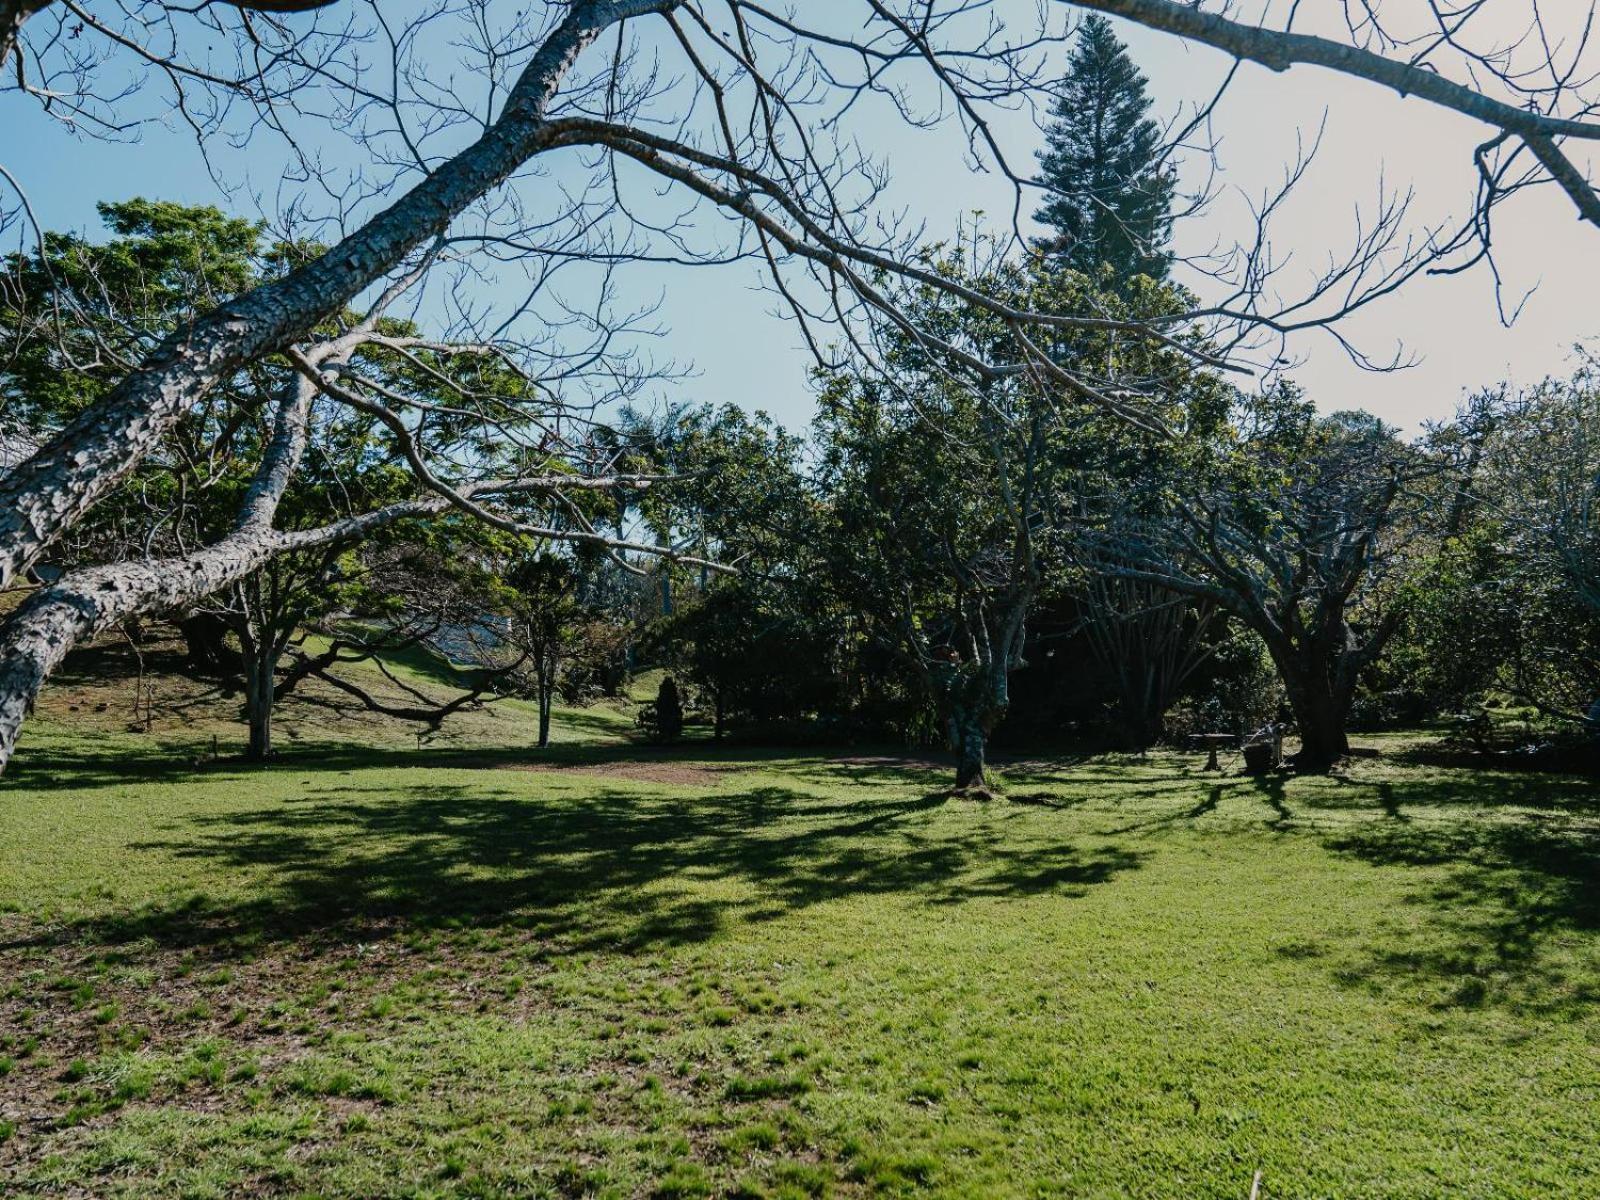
<point>723,322</point>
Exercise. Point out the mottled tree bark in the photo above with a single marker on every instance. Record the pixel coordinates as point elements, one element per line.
<point>46,495</point>
<point>975,697</point>
<point>971,745</point>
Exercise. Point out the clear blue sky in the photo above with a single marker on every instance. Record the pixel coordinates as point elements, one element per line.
<point>721,321</point>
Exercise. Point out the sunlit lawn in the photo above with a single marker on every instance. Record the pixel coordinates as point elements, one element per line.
<point>359,974</point>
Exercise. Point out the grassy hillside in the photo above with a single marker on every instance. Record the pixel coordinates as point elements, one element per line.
<point>145,701</point>
<point>367,971</point>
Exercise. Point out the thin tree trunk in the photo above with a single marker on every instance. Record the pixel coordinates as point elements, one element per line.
<point>260,696</point>
<point>546,695</point>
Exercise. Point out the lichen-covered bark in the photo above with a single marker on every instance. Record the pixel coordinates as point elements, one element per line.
<point>47,494</point>
<point>82,604</point>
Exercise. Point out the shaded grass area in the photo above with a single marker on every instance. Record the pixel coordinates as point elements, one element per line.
<point>372,971</point>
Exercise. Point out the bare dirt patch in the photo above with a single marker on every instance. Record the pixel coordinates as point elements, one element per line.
<point>195,1015</point>
<point>676,774</point>
<point>891,762</point>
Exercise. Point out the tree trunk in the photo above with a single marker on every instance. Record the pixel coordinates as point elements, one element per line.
<point>1320,716</point>
<point>975,698</point>
<point>967,732</point>
<point>260,694</point>
<point>258,709</point>
<point>42,498</point>
<point>546,695</point>
<point>205,640</point>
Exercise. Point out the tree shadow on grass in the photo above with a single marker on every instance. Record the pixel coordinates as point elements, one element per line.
<point>179,760</point>
<point>596,721</point>
<point>151,760</point>
<point>619,869</point>
<point>1271,790</point>
<point>1513,898</point>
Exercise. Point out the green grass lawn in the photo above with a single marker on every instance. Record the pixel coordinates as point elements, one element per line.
<point>383,972</point>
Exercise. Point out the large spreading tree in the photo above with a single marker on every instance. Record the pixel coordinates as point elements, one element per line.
<point>1303,529</point>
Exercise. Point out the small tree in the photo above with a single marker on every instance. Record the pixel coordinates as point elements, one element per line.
<point>669,711</point>
<point>391,598</point>
<point>547,623</point>
<point>1151,641</point>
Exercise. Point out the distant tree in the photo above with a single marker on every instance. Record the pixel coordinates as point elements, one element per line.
<point>936,535</point>
<point>1463,622</point>
<point>1518,608</point>
<point>762,651</point>
<point>1151,641</point>
<point>952,491</point>
<point>548,623</point>
<point>76,311</point>
<point>303,617</point>
<point>1301,531</point>
<point>1110,194</point>
<point>759,646</point>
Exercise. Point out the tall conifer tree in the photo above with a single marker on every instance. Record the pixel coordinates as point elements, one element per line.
<point>1110,199</point>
